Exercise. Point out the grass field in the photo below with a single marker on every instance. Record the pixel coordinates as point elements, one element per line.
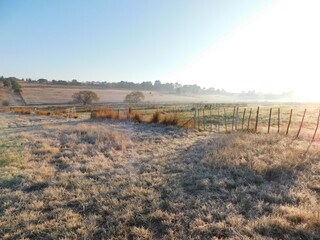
<point>52,95</point>
<point>85,179</point>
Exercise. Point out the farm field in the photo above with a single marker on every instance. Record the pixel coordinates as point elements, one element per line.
<point>51,95</point>
<point>107,179</point>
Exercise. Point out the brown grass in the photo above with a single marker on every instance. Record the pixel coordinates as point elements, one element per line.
<point>136,117</point>
<point>4,109</point>
<point>87,181</point>
<point>22,110</point>
<point>106,113</point>
<point>172,119</point>
<point>41,112</point>
<point>156,117</point>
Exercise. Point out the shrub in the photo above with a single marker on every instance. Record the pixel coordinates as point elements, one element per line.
<point>156,117</point>
<point>5,103</point>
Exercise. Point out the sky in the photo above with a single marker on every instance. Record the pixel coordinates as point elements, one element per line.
<point>238,45</point>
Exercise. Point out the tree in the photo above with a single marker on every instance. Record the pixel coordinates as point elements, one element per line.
<point>85,97</point>
<point>134,97</point>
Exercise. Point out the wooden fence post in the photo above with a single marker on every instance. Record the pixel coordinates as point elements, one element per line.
<point>204,121</point>
<point>237,118</point>
<point>234,111</point>
<point>270,114</point>
<point>195,119</point>
<point>248,127</point>
<point>225,119</point>
<point>278,120</point>
<point>257,120</point>
<point>218,120</point>
<point>198,119</point>
<point>289,122</point>
<point>244,113</point>
<point>304,113</point>
<point>315,132</point>
<point>210,118</point>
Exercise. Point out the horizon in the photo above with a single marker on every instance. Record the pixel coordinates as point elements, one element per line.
<point>265,46</point>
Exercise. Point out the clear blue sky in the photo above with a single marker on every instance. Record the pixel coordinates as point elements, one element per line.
<point>135,40</point>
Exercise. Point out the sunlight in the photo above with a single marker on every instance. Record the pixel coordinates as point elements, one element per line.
<point>276,51</point>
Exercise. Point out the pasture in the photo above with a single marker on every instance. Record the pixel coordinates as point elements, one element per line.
<point>109,179</point>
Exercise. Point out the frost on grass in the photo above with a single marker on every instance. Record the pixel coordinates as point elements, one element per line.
<point>110,180</point>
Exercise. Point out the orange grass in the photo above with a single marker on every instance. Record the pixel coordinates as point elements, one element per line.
<point>41,112</point>
<point>22,110</point>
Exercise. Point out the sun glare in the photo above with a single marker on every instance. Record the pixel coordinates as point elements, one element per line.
<point>276,51</point>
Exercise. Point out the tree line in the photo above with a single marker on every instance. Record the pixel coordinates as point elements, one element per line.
<point>12,83</point>
<point>157,85</point>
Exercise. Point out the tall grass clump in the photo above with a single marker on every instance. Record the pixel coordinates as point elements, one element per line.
<point>136,117</point>
<point>171,119</point>
<point>104,114</point>
<point>22,110</point>
<point>156,117</point>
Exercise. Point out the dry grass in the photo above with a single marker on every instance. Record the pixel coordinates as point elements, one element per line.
<point>156,117</point>
<point>22,110</point>
<point>172,119</point>
<point>4,110</point>
<point>41,112</point>
<point>87,181</point>
<point>136,117</point>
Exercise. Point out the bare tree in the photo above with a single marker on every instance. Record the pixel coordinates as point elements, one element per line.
<point>85,97</point>
<point>134,97</point>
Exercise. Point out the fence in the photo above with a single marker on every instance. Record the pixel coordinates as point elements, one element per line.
<point>287,121</point>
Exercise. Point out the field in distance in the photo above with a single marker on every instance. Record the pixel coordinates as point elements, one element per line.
<point>52,95</point>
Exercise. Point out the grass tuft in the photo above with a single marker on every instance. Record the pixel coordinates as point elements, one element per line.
<point>156,117</point>
<point>172,119</point>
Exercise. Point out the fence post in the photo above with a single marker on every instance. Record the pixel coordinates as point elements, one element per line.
<point>248,127</point>
<point>244,113</point>
<point>234,111</point>
<point>237,118</point>
<point>257,120</point>
<point>269,120</point>
<point>315,132</point>
<point>218,122</point>
<point>278,120</point>
<point>304,113</point>
<point>289,122</point>
<point>198,119</point>
<point>210,118</point>
<point>195,119</point>
<point>204,121</point>
<point>225,119</point>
